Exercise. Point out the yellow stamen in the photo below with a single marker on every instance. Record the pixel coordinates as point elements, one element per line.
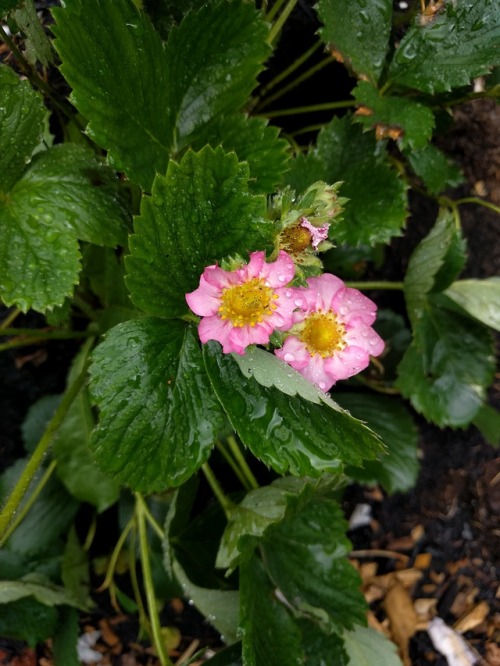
<point>247,304</point>
<point>323,334</point>
<point>295,239</point>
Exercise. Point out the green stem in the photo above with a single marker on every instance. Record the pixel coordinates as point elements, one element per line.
<point>152,521</point>
<point>143,616</point>
<point>290,69</point>
<point>308,109</point>
<point>89,539</point>
<point>154,618</point>
<point>280,22</point>
<point>378,388</point>
<point>115,555</point>
<point>45,334</point>
<point>376,285</point>
<point>478,202</point>
<point>22,485</point>
<point>10,318</point>
<point>229,459</point>
<point>236,451</point>
<point>30,501</point>
<point>224,501</point>
<point>293,84</point>
<point>309,128</point>
<point>50,335</point>
<point>274,10</point>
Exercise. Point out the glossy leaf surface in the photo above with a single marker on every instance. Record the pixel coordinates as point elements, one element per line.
<point>359,31</point>
<point>480,298</point>
<point>158,415</point>
<point>450,48</point>
<point>201,212</point>
<point>290,434</point>
<point>436,170</point>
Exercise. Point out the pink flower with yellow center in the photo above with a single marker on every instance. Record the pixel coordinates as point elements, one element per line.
<point>243,307</point>
<point>332,337</point>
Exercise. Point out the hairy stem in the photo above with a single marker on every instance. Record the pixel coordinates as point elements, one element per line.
<point>231,462</point>
<point>328,106</point>
<point>395,286</point>
<point>223,500</point>
<point>280,22</point>
<point>236,451</point>
<point>10,319</point>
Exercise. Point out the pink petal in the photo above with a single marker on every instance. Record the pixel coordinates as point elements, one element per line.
<point>346,363</point>
<point>254,268</point>
<point>318,234</point>
<point>321,291</point>
<point>316,372</point>
<point>214,328</point>
<point>280,272</point>
<point>241,337</point>
<point>205,300</point>
<point>364,337</point>
<point>220,278</point>
<point>349,303</point>
<point>282,318</point>
<point>294,353</point>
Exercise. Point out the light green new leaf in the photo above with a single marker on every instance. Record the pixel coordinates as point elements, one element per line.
<point>367,647</point>
<point>436,170</point>
<point>446,376</point>
<point>305,555</point>
<point>288,433</point>
<point>254,142</point>
<point>65,194</point>
<point>480,298</point>
<point>201,212</point>
<point>359,30</point>
<point>415,120</point>
<point>454,46</point>
<point>22,115</point>
<point>158,415</point>
<point>39,587</point>
<point>397,470</point>
<point>143,99</point>
<point>345,153</point>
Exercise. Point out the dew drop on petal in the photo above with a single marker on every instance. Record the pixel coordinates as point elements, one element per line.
<point>298,302</point>
<point>289,357</point>
<point>343,310</point>
<point>282,278</point>
<point>322,385</point>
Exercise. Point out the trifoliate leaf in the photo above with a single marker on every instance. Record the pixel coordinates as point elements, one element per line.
<point>201,212</point>
<point>158,415</point>
<point>148,99</point>
<point>414,119</point>
<point>21,125</point>
<point>345,153</point>
<point>359,31</point>
<point>448,49</point>
<point>436,170</point>
<point>288,433</point>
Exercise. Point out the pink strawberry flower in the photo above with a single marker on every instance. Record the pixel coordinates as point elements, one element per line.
<point>318,234</point>
<point>244,306</point>
<point>332,337</point>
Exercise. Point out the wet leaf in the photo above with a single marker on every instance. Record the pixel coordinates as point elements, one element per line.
<point>201,212</point>
<point>158,416</point>
<point>436,170</point>
<point>479,298</point>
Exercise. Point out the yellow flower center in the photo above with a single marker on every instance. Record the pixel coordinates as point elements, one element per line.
<point>247,304</point>
<point>323,334</point>
<point>295,240</point>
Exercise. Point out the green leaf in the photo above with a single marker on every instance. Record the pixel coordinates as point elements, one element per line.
<point>230,656</point>
<point>158,415</point>
<point>22,116</point>
<point>424,264</point>
<point>28,620</point>
<point>359,30</point>
<point>305,555</point>
<point>7,5</point>
<point>167,13</point>
<point>39,587</point>
<point>415,120</point>
<point>37,419</point>
<point>479,298</point>
<point>454,46</point>
<point>113,50</point>
<point>65,638</point>
<point>259,509</point>
<point>201,212</point>
<point>487,421</point>
<point>367,647</point>
<point>65,194</point>
<point>346,153</point>
<point>288,433</point>
<point>37,45</point>
<point>436,170</point>
<point>397,470</point>
<point>446,376</point>
<point>254,142</point>
<point>269,633</point>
